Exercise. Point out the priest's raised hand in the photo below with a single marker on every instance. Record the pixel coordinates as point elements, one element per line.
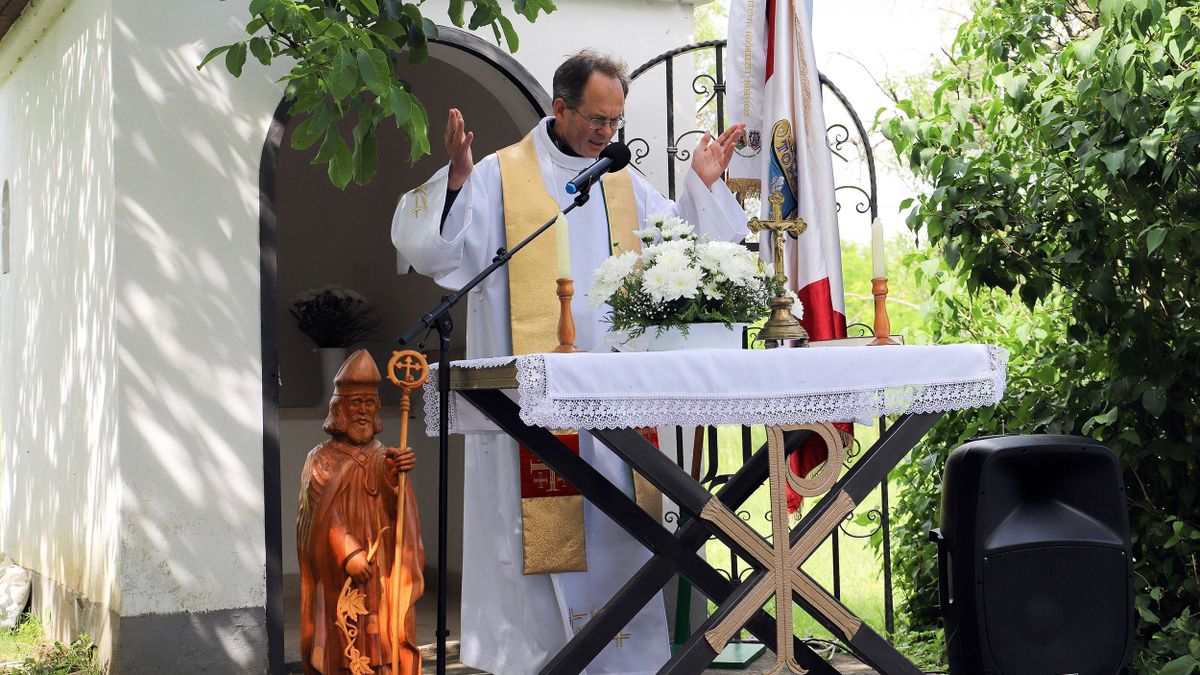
<point>517,590</point>
<point>458,147</point>
<point>711,157</point>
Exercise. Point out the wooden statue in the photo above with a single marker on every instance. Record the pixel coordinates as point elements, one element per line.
<point>359,581</point>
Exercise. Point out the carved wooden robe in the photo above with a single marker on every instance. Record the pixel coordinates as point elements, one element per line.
<point>347,502</point>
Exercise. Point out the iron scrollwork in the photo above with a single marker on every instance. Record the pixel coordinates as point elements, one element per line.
<point>709,88</point>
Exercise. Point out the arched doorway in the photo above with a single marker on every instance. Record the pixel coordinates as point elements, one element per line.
<point>312,235</point>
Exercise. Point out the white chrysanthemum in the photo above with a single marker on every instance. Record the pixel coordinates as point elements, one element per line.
<point>656,282</point>
<point>740,269</point>
<point>651,253</point>
<point>619,266</point>
<point>712,291</point>
<point>673,258</point>
<point>664,284</point>
<point>655,220</point>
<point>712,253</point>
<point>646,234</point>
<point>684,282</point>
<point>797,306</point>
<point>676,228</point>
<point>609,277</point>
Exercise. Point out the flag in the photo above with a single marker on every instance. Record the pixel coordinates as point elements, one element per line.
<point>774,88</point>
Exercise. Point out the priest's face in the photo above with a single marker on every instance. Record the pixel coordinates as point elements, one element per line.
<point>603,102</point>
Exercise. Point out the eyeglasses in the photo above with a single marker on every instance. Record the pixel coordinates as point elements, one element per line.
<point>598,123</point>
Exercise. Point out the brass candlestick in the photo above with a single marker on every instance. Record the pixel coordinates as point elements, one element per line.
<point>782,325</point>
<point>566,322</point>
<point>883,325</point>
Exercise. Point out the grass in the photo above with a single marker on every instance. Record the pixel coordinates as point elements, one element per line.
<point>30,653</point>
<point>18,643</point>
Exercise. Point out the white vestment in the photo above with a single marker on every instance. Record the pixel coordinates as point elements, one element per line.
<point>513,623</point>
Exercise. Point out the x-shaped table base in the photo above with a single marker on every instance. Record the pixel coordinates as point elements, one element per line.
<point>777,568</point>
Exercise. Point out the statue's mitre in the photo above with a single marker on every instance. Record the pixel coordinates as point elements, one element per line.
<point>358,375</point>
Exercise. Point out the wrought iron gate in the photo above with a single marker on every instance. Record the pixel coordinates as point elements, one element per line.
<point>661,139</point>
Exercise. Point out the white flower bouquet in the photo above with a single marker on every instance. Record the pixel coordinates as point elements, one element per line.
<point>679,279</point>
<point>333,316</point>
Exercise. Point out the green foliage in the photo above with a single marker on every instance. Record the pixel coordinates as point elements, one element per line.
<point>77,658</point>
<point>16,643</point>
<point>345,59</point>
<point>1060,147</point>
<point>926,649</point>
<point>1177,636</point>
<point>26,644</point>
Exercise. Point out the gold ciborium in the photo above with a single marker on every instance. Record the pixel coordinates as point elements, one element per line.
<point>782,325</point>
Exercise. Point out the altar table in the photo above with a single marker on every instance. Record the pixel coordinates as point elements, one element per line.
<point>795,393</point>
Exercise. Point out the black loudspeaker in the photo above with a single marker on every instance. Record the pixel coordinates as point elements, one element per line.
<point>1034,560</point>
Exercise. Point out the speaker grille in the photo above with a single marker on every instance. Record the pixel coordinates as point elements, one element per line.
<point>1052,610</point>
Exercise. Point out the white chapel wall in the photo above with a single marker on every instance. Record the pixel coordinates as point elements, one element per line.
<point>132,313</point>
<point>60,487</point>
<point>187,155</point>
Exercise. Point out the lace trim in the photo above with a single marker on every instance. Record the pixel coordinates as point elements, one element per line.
<point>433,397</point>
<point>537,409</point>
<point>860,405</point>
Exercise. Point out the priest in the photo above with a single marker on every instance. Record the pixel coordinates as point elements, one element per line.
<point>526,590</point>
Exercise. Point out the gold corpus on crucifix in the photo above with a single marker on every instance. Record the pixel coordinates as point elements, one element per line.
<point>782,325</point>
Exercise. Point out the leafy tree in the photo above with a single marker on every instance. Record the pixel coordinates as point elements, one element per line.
<point>345,56</point>
<point>1061,148</point>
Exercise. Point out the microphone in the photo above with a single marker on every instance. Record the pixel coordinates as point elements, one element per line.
<point>614,157</point>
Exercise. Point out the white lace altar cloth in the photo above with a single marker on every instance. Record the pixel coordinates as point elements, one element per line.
<point>733,386</point>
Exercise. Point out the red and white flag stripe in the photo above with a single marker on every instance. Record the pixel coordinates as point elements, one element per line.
<point>774,88</point>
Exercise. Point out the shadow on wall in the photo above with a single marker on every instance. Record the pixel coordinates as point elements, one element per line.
<point>189,344</point>
<point>162,512</point>
<point>133,475</point>
<point>60,486</point>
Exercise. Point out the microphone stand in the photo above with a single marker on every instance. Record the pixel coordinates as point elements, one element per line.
<point>439,319</point>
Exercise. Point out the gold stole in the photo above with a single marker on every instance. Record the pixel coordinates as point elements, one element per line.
<point>551,511</point>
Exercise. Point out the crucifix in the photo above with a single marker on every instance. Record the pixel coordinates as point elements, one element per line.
<point>783,324</point>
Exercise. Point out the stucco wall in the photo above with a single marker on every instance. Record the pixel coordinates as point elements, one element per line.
<point>59,460</point>
<point>634,30</point>
<point>130,356</point>
<point>189,350</point>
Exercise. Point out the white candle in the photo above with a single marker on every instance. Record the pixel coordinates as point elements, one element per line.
<point>563,239</point>
<point>877,266</point>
